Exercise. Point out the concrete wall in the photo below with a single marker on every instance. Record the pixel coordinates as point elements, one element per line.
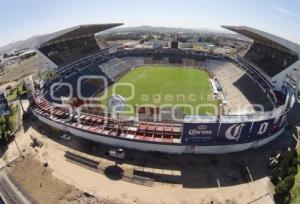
<point>159,147</point>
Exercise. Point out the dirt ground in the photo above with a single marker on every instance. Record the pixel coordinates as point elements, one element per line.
<point>17,72</point>
<point>44,187</point>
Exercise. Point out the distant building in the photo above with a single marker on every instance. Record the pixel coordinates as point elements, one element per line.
<point>174,43</point>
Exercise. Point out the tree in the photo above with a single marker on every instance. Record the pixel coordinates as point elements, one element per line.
<point>5,55</point>
<point>285,185</point>
<point>8,124</point>
<point>276,175</point>
<point>292,171</point>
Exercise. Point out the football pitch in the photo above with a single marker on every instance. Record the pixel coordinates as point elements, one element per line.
<point>189,89</point>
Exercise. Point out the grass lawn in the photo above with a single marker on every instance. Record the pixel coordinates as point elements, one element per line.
<point>13,93</point>
<point>159,85</point>
<point>295,191</point>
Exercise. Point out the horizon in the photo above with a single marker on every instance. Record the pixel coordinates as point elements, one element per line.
<point>279,18</point>
<point>201,29</point>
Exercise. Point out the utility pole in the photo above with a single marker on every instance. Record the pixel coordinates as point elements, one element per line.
<point>20,152</point>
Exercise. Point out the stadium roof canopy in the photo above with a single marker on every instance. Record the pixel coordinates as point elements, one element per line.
<point>266,38</point>
<point>77,32</point>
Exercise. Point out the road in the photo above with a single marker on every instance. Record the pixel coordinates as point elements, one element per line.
<point>9,193</point>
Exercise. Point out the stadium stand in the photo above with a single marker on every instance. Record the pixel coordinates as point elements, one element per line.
<point>71,44</point>
<point>88,87</point>
<point>145,131</point>
<point>271,60</point>
<point>229,75</point>
<point>70,50</point>
<point>238,87</point>
<point>115,67</point>
<point>274,57</point>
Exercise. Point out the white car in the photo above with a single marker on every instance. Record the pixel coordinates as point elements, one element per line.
<point>117,153</point>
<point>65,137</point>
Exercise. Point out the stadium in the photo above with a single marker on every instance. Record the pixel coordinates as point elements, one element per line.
<point>174,101</point>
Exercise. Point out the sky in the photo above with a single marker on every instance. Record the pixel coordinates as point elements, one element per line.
<point>20,19</point>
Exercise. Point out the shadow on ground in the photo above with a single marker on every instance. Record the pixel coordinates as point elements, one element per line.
<point>114,172</point>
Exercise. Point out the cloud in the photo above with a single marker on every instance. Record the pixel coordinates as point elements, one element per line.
<point>283,11</point>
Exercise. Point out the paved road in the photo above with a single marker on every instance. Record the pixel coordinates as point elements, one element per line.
<point>9,193</point>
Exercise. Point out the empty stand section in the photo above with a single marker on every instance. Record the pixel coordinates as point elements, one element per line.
<point>269,59</point>
<point>65,52</point>
<point>69,45</point>
<point>272,54</point>
<point>115,67</point>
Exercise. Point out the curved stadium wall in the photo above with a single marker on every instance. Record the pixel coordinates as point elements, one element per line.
<point>197,134</point>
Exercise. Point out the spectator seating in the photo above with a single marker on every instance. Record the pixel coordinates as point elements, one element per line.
<point>271,60</point>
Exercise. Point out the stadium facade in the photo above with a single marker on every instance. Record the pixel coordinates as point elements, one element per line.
<point>270,62</point>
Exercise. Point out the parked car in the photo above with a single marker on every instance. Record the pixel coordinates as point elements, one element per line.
<point>66,137</point>
<point>117,153</point>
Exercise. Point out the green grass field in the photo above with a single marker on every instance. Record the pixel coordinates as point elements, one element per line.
<point>159,85</point>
